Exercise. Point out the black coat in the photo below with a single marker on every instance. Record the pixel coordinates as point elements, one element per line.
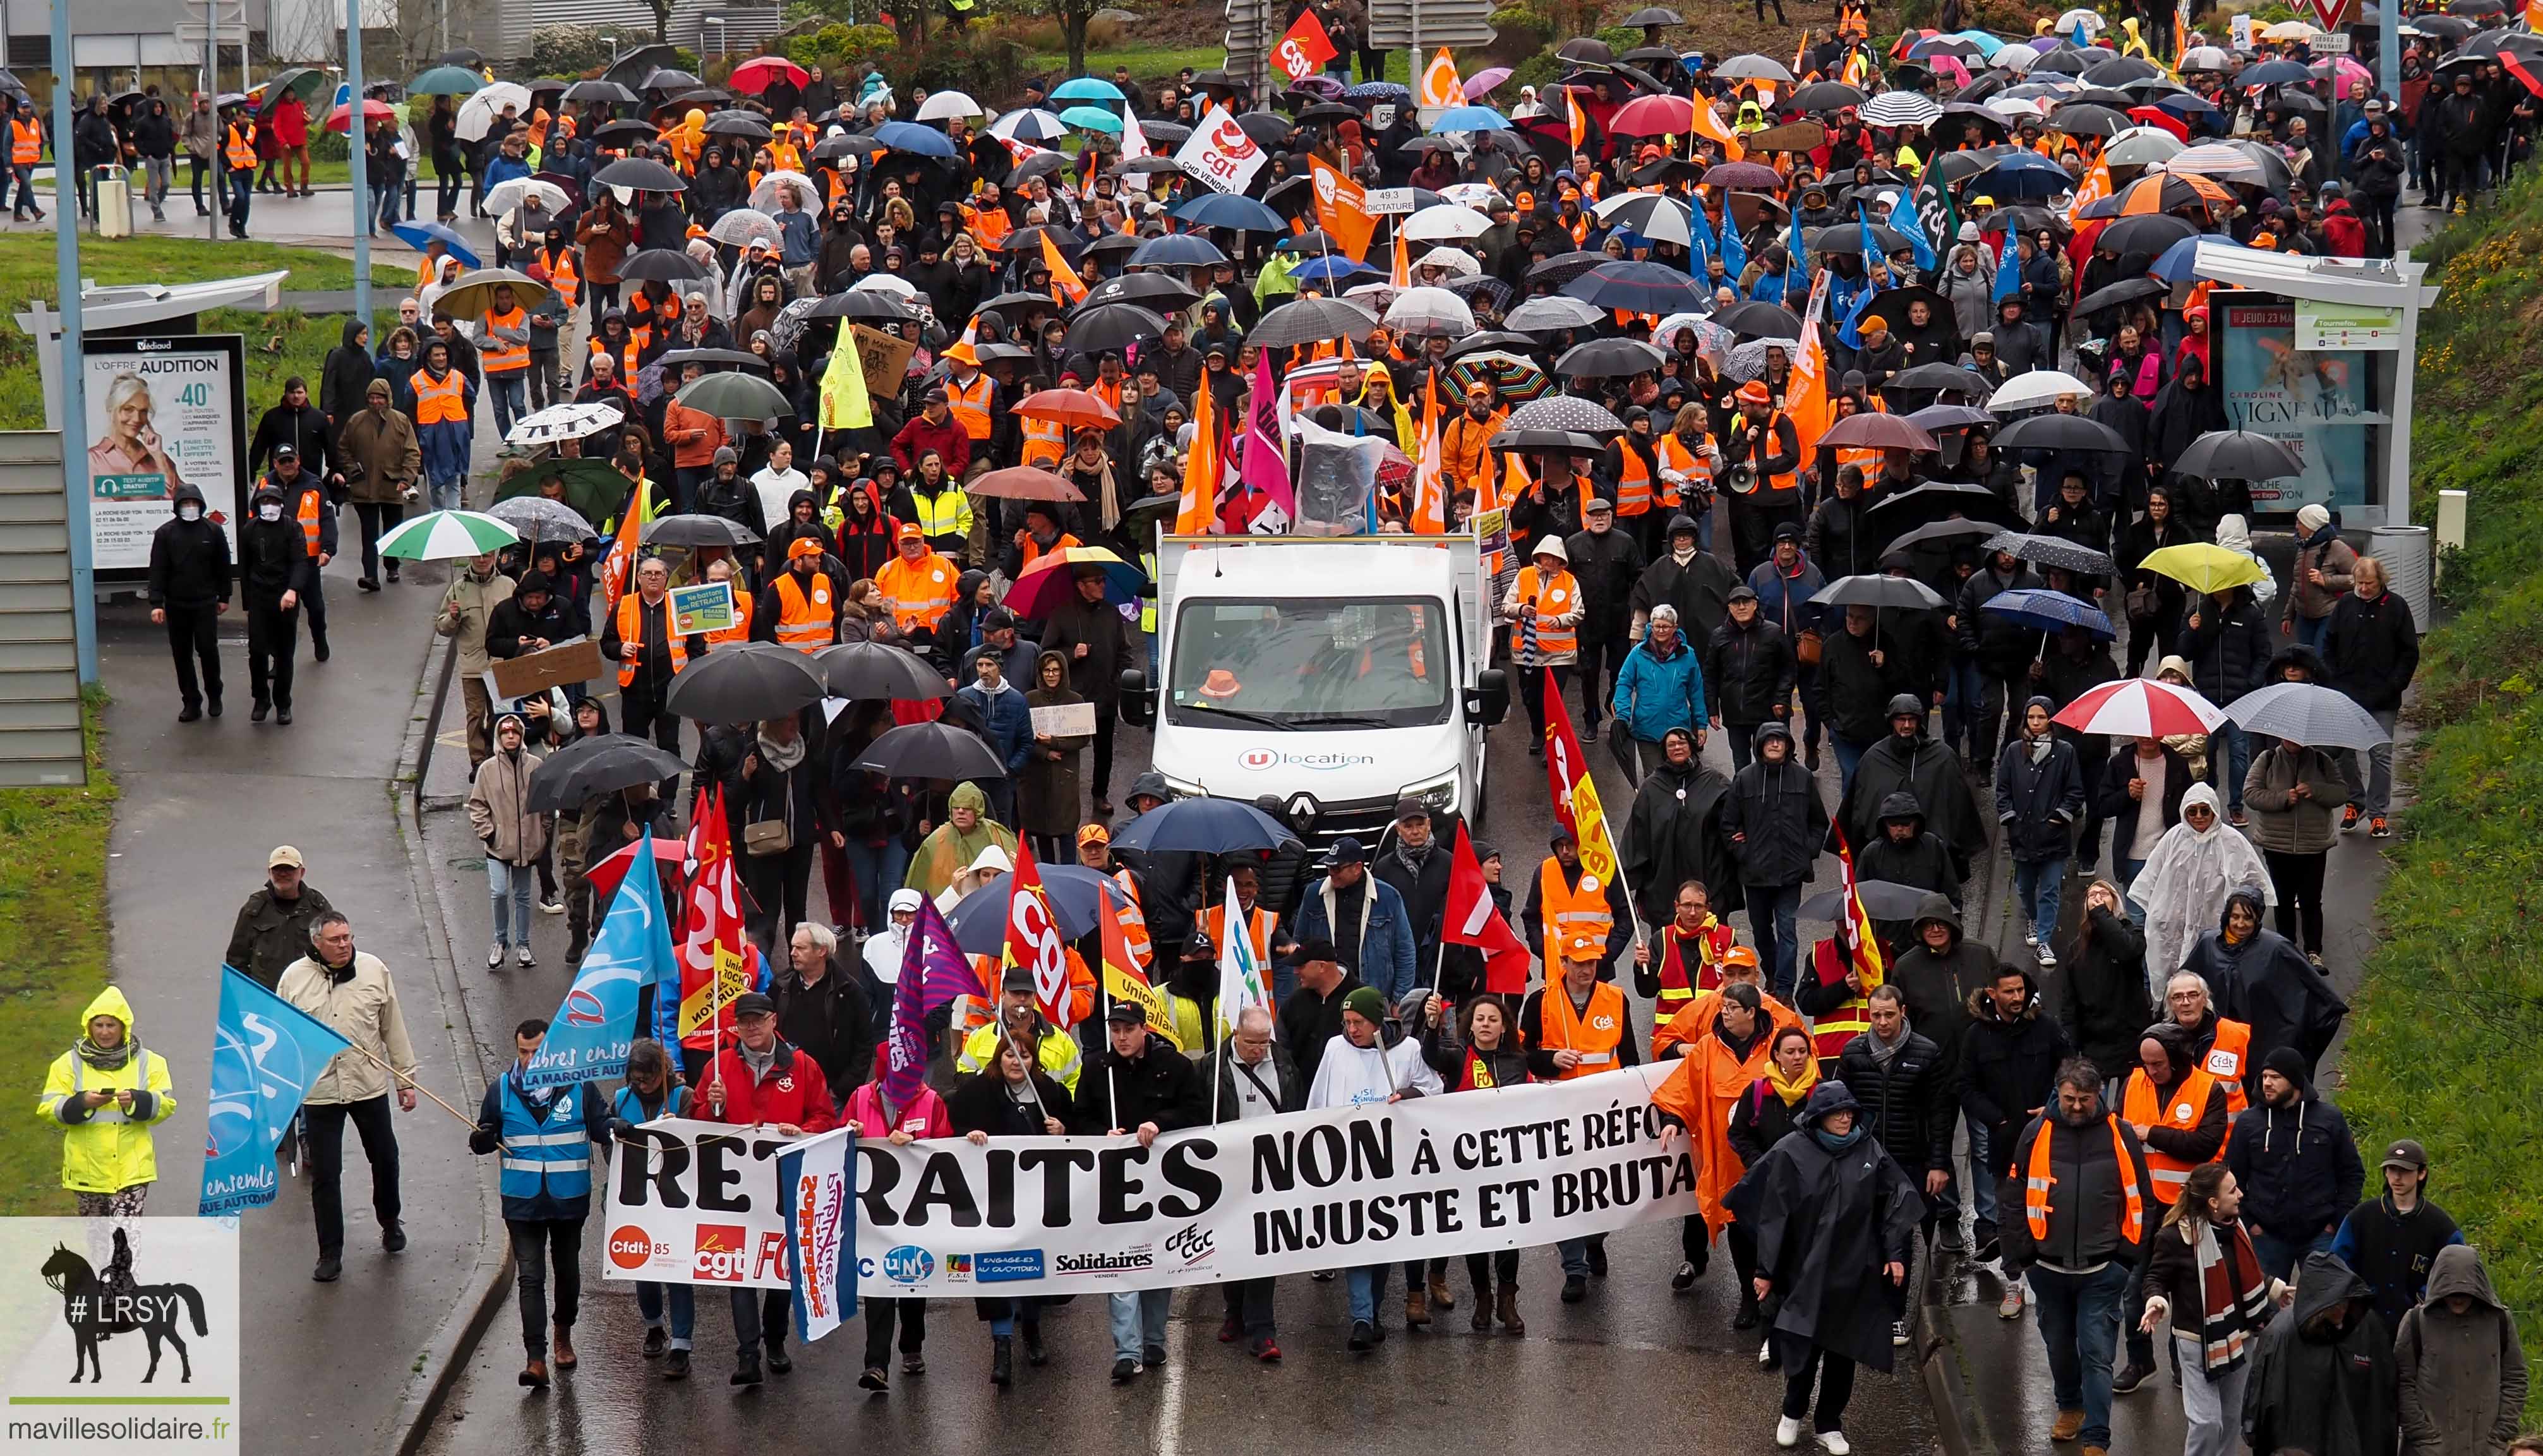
<point>1927,770</point>
<point>1673,834</point>
<point>344,384</point>
<point>2119,771</point>
<point>1759,1121</point>
<point>1700,590</point>
<point>1825,1224</point>
<point>2372,650</point>
<point>2228,650</point>
<point>189,562</point>
<point>2298,1167</point>
<point>1937,986</point>
<point>1911,1103</point>
<point>2102,997</point>
<point>273,557</point>
<point>1748,672</point>
<point>2039,801</point>
<point>1425,892</point>
<point>2268,986</point>
<point>1159,1085</point>
<point>1774,822</point>
<point>2008,1067</point>
<point>2003,647</point>
<point>1607,567</point>
<point>1857,691</point>
<point>832,1023</point>
<point>2326,1392</point>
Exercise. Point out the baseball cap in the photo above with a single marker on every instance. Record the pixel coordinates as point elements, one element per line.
<point>1017,979</point>
<point>1123,1013</point>
<point>284,854</point>
<point>753,1003</point>
<point>1094,834</point>
<point>286,453</point>
<point>1347,850</point>
<point>909,531</point>
<point>1743,592</point>
<point>2406,1154</point>
<point>1411,809</point>
<point>801,547</point>
<point>1579,946</point>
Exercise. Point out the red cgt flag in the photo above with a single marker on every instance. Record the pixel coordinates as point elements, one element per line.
<point>1033,941</point>
<point>1472,919</point>
<point>1304,49</point>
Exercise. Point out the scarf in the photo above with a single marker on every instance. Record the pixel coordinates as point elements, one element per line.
<point>1793,1092</point>
<point>1882,1052</point>
<point>782,757</point>
<point>2233,1293</point>
<point>106,1060</point>
<point>1835,1145</point>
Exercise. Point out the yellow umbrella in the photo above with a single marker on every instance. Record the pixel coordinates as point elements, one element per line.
<point>2204,567</point>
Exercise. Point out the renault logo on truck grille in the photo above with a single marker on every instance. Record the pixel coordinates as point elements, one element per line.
<point>1303,808</point>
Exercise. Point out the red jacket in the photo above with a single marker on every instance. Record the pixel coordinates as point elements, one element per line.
<point>947,441</point>
<point>2343,234</point>
<point>794,1091</point>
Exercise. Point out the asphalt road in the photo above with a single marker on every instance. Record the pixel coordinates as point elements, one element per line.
<point>1667,1367</point>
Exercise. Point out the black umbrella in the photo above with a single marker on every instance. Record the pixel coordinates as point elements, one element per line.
<point>602,765</point>
<point>2055,432</point>
<point>979,919</point>
<point>1940,501</point>
<point>931,751</point>
<point>670,78</point>
<point>1941,379</point>
<point>746,682</point>
<point>1159,290</point>
<point>1268,129</point>
<point>872,670</point>
<point>1822,96</point>
<point>1941,533</point>
<point>1563,268</point>
<point>1121,243</point>
<point>1756,320</point>
<point>2147,234</point>
<point>661,266</point>
<point>1891,305</point>
<point>1638,287</point>
<point>1116,326</point>
<point>866,303</point>
<point>2051,551</point>
<point>1203,826</point>
<point>2125,290</point>
<point>639,173</point>
<point>1883,899</point>
<point>697,530</point>
<point>606,93</point>
<point>1847,238</point>
<point>1609,358</point>
<point>1935,418</point>
<point>635,65</point>
<point>1546,442</point>
<point>1304,320</point>
<point>1878,591</point>
<point>2238,455</point>
<point>624,132</point>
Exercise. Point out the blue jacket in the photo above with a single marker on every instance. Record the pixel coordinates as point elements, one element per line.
<point>581,1109</point>
<point>1786,600</point>
<point>2298,1167</point>
<point>1386,947</point>
<point>1655,694</point>
<point>502,169</point>
<point>1010,721</point>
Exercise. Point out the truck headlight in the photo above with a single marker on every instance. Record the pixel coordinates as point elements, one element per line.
<point>1182,789</point>
<point>1438,794</point>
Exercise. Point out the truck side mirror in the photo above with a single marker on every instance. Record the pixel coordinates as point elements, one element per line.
<point>1138,700</point>
<point>1486,702</point>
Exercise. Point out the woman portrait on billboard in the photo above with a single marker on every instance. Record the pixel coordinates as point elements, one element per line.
<point>130,445</point>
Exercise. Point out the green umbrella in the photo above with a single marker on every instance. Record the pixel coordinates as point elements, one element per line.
<point>594,487</point>
<point>446,81</point>
<point>735,397</point>
<point>447,535</point>
<point>304,82</point>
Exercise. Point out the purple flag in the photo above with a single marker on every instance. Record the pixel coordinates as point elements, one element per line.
<point>1267,466</point>
<point>933,971</point>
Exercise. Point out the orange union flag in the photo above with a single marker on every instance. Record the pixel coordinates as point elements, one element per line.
<point>1342,209</point>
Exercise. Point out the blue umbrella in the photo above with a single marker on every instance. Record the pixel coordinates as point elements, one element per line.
<point>415,234</point>
<point>1178,249</point>
<point>1202,827</point>
<point>2051,611</point>
<point>1987,45</point>
<point>2024,174</point>
<point>1378,91</point>
<point>1087,88</point>
<point>917,140</point>
<point>2177,260</point>
<point>1330,268</point>
<point>2187,106</point>
<point>1092,118</point>
<point>1227,210</point>
<point>979,919</point>
<point>1469,119</point>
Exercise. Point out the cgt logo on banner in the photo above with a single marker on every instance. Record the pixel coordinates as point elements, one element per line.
<point>1219,153</point>
<point>128,1333</point>
<point>696,1203</point>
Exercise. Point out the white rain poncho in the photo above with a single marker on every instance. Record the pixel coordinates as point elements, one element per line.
<point>2185,882</point>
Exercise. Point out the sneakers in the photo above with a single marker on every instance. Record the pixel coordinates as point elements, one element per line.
<point>2047,956</point>
<point>914,1364</point>
<point>1125,1368</point>
<point>2349,817</point>
<point>1230,1330</point>
<point>1152,1356</point>
<point>1766,1357</point>
<point>2131,1378</point>
<point>1683,1280</point>
<point>495,957</point>
<point>1266,1351</point>
<point>2379,828</point>
<point>1834,1443</point>
<point>524,958</point>
<point>550,905</point>
<point>1788,1431</point>
<point>2010,1307</point>
<point>875,1380</point>
<point>1899,1334</point>
<point>2031,938</point>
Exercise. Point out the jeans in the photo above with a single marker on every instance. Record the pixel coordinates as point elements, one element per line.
<point>2373,789</point>
<point>445,492</point>
<point>193,633</point>
<point>512,391</point>
<point>2310,631</point>
<point>1771,909</point>
<point>1367,1286</point>
<point>26,193</point>
<point>2129,870</point>
<point>1981,1170</point>
<point>1835,1379</point>
<point>242,183</point>
<point>1575,1254</point>
<point>2037,887</point>
<point>326,1124</point>
<point>535,1243</point>
<point>878,871</point>
<point>377,520</point>
<point>1848,754</point>
<point>881,1313</point>
<point>156,174</point>
<point>649,1298</point>
<point>1248,1303</point>
<point>2279,1258</point>
<point>510,884</point>
<point>2236,761</point>
<point>760,1314</point>
<point>1139,1321</point>
<point>2079,1321</point>
<point>2211,1404</point>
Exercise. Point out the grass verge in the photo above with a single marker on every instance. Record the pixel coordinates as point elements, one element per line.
<point>53,916</point>
<point>2441,1044</point>
<point>279,344</point>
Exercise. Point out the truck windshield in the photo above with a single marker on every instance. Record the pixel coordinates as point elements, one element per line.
<point>1306,662</point>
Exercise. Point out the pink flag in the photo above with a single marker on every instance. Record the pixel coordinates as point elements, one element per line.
<point>1267,466</point>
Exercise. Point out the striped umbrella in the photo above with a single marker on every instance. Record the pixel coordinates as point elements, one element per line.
<point>447,535</point>
<point>2141,708</point>
<point>1901,108</point>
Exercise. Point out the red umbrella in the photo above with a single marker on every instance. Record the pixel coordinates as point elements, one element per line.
<point>2141,708</point>
<point>1074,408</point>
<point>1654,116</point>
<point>373,110</point>
<point>1026,483</point>
<point>757,74</point>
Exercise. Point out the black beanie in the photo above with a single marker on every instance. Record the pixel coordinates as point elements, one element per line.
<point>2290,1063</point>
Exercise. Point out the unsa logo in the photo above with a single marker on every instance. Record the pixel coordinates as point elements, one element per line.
<point>907,1263</point>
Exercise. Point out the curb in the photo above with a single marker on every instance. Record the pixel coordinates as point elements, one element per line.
<point>438,1366</point>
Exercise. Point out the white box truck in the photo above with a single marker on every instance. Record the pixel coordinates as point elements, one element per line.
<point>1338,675</point>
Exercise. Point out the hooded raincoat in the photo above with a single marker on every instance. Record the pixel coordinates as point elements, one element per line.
<point>1827,1218</point>
<point>2186,880</point>
<point>107,1149</point>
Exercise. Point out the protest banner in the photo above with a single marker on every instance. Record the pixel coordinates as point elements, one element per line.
<point>569,663</point>
<point>1064,721</point>
<point>819,1206</point>
<point>705,607</point>
<point>1218,154</point>
<point>265,1051</point>
<point>694,1202</point>
<point>595,1027</point>
<point>885,358</point>
<point>1429,1177</point>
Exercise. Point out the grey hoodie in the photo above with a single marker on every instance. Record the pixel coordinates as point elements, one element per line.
<point>2462,1376</point>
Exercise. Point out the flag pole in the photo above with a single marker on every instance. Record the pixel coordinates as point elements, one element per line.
<point>407,1081</point>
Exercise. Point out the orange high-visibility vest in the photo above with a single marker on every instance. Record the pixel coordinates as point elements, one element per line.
<point>313,501</point>
<point>626,358</point>
<point>503,356</point>
<point>562,276</point>
<point>806,621</point>
<point>239,151</point>
<point>1551,598</point>
<point>1034,551</point>
<point>2038,1182</point>
<point>970,403</point>
<point>442,401</point>
<point>2186,1105</point>
<point>917,593</point>
<point>1045,443</point>
<point>1690,462</point>
<point>1682,976</point>
<point>1135,921</point>
<point>26,143</point>
<point>2226,1059</point>
<point>1259,925</point>
<point>1594,1033</point>
<point>1633,480</point>
<point>1569,912</point>
<point>988,224</point>
<point>630,628</point>
<point>739,630</point>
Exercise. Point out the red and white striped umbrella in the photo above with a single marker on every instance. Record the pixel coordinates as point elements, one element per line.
<point>2141,708</point>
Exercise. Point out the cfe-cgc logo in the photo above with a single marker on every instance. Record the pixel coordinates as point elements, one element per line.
<point>122,1331</point>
